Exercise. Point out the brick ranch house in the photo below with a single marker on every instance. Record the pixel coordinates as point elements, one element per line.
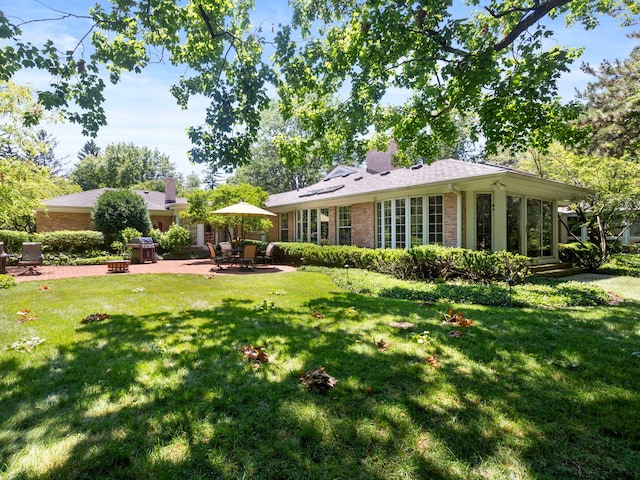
<point>73,212</point>
<point>450,202</point>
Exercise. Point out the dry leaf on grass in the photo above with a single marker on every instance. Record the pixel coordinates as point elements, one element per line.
<point>95,317</point>
<point>457,319</point>
<point>318,380</point>
<point>255,354</point>
<point>455,334</point>
<point>317,314</point>
<point>433,360</point>
<point>25,316</point>
<point>381,344</point>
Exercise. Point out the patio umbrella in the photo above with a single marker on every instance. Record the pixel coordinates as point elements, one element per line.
<point>242,210</point>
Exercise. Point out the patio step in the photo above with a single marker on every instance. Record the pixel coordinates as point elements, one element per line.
<point>554,270</point>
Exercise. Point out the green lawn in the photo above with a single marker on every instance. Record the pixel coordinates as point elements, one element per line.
<point>160,389</point>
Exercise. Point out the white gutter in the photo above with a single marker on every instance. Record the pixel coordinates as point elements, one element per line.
<point>458,214</point>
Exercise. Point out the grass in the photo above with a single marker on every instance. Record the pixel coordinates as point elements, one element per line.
<point>160,390</point>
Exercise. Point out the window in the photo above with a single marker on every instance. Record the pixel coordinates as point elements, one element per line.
<point>313,225</point>
<point>514,219</point>
<point>539,227</point>
<point>483,221</point>
<point>436,224</point>
<point>284,227</point>
<point>344,225</point>
<point>417,220</point>
<point>400,223</point>
<point>403,222</point>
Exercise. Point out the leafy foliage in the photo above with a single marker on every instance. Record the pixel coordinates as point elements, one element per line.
<point>70,241</point>
<point>121,166</point>
<point>497,62</point>
<point>116,210</point>
<point>176,239</point>
<point>611,116</point>
<point>202,203</point>
<point>429,262</point>
<point>584,255</point>
<point>23,186</point>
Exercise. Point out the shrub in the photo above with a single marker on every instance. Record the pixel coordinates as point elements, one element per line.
<point>70,241</point>
<point>7,281</point>
<point>116,210</point>
<point>584,255</point>
<point>13,240</point>
<point>429,262</point>
<point>176,240</point>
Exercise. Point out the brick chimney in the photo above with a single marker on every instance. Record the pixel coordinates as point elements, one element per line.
<point>170,189</point>
<point>381,161</point>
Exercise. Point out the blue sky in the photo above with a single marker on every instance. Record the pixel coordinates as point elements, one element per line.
<point>140,109</point>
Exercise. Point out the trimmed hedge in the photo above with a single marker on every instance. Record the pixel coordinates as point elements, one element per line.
<point>428,262</point>
<point>70,241</point>
<point>13,240</point>
<point>583,255</point>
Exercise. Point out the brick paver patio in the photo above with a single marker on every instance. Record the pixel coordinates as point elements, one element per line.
<point>193,266</point>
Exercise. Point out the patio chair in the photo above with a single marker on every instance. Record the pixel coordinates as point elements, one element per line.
<point>248,258</point>
<point>31,258</point>
<point>225,257</point>
<point>266,257</point>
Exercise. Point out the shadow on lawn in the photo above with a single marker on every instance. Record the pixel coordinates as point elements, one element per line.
<point>167,396</point>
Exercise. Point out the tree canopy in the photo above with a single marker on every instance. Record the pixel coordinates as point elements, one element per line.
<point>203,202</point>
<point>492,59</point>
<point>116,210</point>
<point>122,165</point>
<point>612,114</point>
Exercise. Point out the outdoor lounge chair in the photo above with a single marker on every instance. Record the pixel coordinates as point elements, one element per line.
<point>31,258</point>
<point>266,258</point>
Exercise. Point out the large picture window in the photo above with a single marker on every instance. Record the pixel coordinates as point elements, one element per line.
<point>313,225</point>
<point>406,222</point>
<point>344,225</point>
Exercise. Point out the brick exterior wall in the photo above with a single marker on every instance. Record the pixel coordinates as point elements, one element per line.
<point>450,207</point>
<point>63,221</point>
<point>333,222</point>
<point>363,225</point>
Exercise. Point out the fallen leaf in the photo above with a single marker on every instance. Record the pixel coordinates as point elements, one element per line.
<point>381,344</point>
<point>255,354</point>
<point>95,317</point>
<point>455,333</point>
<point>317,314</point>
<point>318,380</point>
<point>433,360</point>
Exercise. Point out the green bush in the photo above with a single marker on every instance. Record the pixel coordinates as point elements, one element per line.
<point>583,255</point>
<point>70,241</point>
<point>428,262</point>
<point>13,240</point>
<point>116,210</point>
<point>7,281</point>
<point>176,240</point>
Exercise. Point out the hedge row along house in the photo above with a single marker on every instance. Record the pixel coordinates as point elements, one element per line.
<point>449,202</point>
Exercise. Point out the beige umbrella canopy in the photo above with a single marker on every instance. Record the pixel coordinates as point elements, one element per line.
<point>243,209</point>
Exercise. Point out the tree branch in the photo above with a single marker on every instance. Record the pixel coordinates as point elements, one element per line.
<point>531,16</point>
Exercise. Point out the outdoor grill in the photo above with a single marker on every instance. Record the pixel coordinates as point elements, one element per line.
<point>143,249</point>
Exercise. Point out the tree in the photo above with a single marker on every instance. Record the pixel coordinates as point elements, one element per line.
<point>19,139</point>
<point>203,202</point>
<point>611,116</point>
<point>121,166</point>
<point>116,210</point>
<point>495,62</point>
<point>90,148</point>
<point>23,186</point>
<point>46,156</point>
<point>267,169</point>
